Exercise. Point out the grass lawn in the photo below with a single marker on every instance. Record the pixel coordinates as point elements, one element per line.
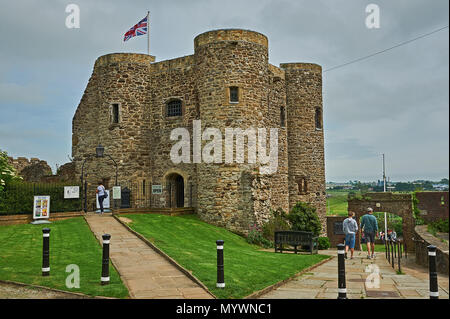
<point>192,243</point>
<point>337,203</point>
<point>71,242</point>
<point>378,247</point>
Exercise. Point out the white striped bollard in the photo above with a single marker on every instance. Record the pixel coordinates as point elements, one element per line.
<point>46,252</point>
<point>434,289</point>
<point>220,266</point>
<point>105,259</point>
<point>342,290</point>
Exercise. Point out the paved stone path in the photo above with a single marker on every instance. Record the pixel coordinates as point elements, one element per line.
<point>321,282</point>
<point>145,273</point>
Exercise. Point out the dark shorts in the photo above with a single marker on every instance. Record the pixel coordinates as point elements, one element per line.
<point>369,236</point>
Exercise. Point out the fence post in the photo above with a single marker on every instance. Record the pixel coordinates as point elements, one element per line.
<point>385,247</point>
<point>392,254</point>
<point>404,248</point>
<point>398,255</point>
<point>388,251</point>
<point>105,259</point>
<point>220,266</point>
<point>395,248</point>
<point>46,252</point>
<point>434,288</point>
<point>342,290</point>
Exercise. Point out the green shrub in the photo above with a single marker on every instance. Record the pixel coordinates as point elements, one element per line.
<point>440,226</point>
<point>303,217</point>
<point>277,221</point>
<point>256,237</point>
<point>324,243</point>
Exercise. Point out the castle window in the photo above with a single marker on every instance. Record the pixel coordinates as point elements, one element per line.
<point>234,94</point>
<point>302,185</point>
<point>318,118</point>
<point>115,114</point>
<point>282,117</point>
<point>174,108</point>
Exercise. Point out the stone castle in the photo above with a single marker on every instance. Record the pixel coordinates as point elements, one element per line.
<point>132,104</point>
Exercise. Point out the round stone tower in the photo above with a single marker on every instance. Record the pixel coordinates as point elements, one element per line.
<point>305,135</point>
<point>232,80</point>
<point>111,113</point>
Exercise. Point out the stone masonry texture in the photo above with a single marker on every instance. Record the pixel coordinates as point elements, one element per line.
<point>232,195</point>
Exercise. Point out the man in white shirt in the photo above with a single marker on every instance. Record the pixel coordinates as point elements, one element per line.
<point>101,195</point>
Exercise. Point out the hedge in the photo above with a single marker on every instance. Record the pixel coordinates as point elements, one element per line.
<point>17,197</point>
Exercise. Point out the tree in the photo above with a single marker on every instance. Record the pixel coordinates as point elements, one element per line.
<point>303,217</point>
<point>7,171</point>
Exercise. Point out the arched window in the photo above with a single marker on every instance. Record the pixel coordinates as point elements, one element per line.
<point>174,108</point>
<point>318,118</point>
<point>302,185</point>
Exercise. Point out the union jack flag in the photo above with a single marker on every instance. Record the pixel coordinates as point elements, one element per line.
<point>139,29</point>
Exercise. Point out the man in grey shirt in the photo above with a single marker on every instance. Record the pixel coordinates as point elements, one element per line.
<point>350,228</point>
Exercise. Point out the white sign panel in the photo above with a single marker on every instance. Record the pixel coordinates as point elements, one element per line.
<point>41,207</point>
<point>105,201</point>
<point>71,192</point>
<point>156,189</point>
<point>117,192</point>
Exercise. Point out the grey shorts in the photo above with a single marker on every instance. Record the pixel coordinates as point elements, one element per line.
<point>370,237</point>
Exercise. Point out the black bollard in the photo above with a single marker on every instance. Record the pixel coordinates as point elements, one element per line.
<point>401,249</point>
<point>342,290</point>
<point>220,267</point>
<point>434,289</point>
<point>46,252</point>
<point>105,259</point>
<point>398,255</point>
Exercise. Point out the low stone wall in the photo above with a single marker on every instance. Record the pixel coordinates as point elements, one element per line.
<point>334,231</point>
<point>28,218</point>
<point>423,239</point>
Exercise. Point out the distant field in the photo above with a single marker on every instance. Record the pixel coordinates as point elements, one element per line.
<point>337,202</point>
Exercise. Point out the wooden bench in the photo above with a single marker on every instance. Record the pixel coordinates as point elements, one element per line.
<point>295,239</point>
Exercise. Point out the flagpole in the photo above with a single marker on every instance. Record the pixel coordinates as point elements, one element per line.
<point>148,32</point>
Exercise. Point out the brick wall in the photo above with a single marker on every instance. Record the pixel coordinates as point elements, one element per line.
<point>433,205</point>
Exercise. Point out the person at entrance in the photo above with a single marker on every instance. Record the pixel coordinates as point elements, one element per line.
<point>101,195</point>
<point>369,225</point>
<point>350,228</point>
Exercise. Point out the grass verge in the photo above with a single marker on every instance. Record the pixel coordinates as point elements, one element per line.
<point>71,242</point>
<point>192,243</point>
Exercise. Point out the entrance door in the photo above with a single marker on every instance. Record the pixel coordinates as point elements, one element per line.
<point>179,191</point>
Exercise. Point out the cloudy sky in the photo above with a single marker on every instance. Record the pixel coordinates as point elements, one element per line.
<point>395,103</point>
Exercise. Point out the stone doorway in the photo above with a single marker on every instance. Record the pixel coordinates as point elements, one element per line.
<point>175,189</point>
<point>397,204</point>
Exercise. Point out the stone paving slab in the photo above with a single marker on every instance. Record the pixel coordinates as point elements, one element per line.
<point>323,281</point>
<point>145,272</point>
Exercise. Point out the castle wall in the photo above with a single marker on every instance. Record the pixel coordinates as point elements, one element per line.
<point>230,195</point>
